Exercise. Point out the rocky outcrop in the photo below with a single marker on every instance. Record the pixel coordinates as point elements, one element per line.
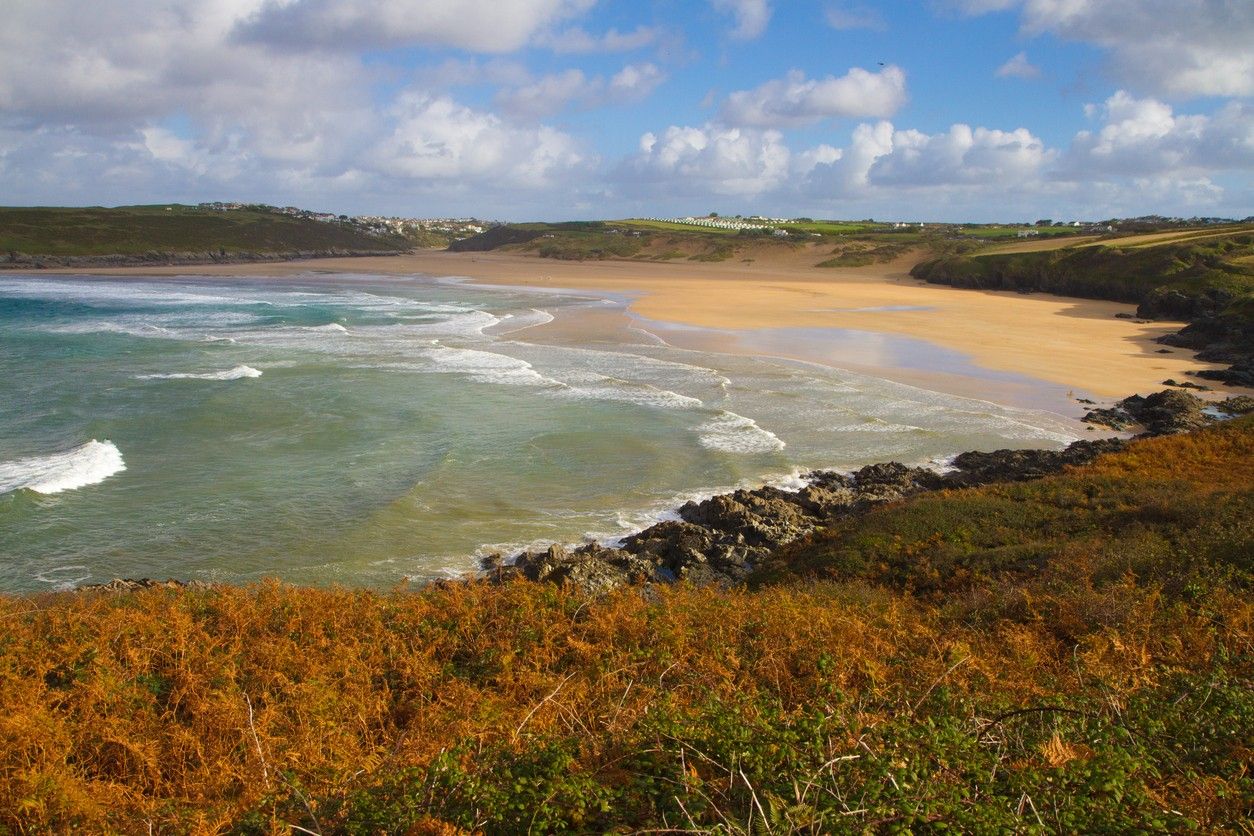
<point>1220,339</point>
<point>719,541</point>
<point>1021,465</point>
<point>134,584</point>
<point>1162,413</point>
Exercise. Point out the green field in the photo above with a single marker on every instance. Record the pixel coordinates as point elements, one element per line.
<point>1192,271</point>
<point>669,226</point>
<point>137,230</point>
<point>999,232</point>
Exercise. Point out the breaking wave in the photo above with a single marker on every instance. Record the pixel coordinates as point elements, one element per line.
<point>86,464</point>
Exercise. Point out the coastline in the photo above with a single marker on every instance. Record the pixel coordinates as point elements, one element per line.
<point>1076,344</point>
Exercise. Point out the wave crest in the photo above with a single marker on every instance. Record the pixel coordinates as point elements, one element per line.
<point>86,464</point>
<point>240,371</point>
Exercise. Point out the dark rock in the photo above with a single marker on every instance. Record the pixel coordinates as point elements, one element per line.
<point>830,479</point>
<point>825,502</point>
<point>1236,405</point>
<point>673,543</point>
<point>1162,413</point>
<point>767,516</point>
<point>977,468</point>
<point>1125,316</point>
<point>1240,374</point>
<point>893,480</point>
<point>1114,418</point>
<point>1188,384</point>
<point>134,584</point>
<point>1164,351</point>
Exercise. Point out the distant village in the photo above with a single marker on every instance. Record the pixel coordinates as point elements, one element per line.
<point>443,231</point>
<point>416,229</point>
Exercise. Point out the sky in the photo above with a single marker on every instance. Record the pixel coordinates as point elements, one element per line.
<point>943,110</point>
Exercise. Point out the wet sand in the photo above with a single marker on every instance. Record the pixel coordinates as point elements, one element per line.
<point>781,304</point>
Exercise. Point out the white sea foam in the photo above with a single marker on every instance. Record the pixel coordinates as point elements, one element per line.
<point>330,326</point>
<point>64,577</point>
<point>512,323</point>
<point>86,464</point>
<point>130,327</point>
<point>237,373</point>
<point>602,388</point>
<point>486,366</point>
<point>732,433</point>
<point>110,293</point>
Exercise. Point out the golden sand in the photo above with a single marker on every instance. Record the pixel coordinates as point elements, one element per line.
<point>1076,343</point>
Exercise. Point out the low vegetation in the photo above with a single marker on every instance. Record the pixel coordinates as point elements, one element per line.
<point>1068,655</point>
<point>1180,278</point>
<point>140,230</point>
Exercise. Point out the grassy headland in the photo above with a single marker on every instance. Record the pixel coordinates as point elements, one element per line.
<point>834,243</point>
<point>1066,655</point>
<point>34,236</point>
<point>1202,276</point>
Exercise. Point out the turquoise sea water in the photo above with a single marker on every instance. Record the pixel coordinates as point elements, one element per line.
<point>361,429</point>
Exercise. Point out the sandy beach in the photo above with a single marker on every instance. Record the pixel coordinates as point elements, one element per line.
<point>1074,343</point>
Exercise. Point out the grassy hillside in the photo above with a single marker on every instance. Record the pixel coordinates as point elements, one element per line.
<point>1182,278</point>
<point>1070,655</point>
<point>136,230</point>
<point>836,244</point>
<point>1204,276</point>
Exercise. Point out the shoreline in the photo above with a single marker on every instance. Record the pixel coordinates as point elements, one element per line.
<point>722,539</point>
<point>1069,343</point>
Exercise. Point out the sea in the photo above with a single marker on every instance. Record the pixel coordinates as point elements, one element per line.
<point>368,430</point>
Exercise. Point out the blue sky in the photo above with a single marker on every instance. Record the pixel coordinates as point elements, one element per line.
<point>550,109</point>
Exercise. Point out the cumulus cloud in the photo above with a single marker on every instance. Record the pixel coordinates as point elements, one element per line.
<point>796,100</point>
<point>436,138</point>
<point>838,173</point>
<point>961,155</point>
<point>1146,137</point>
<point>553,93</point>
<point>476,25</point>
<point>1018,67</point>
<point>1179,48</point>
<point>751,17</point>
<point>710,159</point>
<point>166,100</point>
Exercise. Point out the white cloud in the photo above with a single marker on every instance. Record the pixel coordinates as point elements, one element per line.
<point>1146,137</point>
<point>710,159</point>
<point>751,17</point>
<point>854,17</point>
<point>546,95</point>
<point>1018,67</point>
<point>578,40</point>
<point>553,93</point>
<point>1179,48</point>
<point>476,25</point>
<point>962,155</point>
<point>437,139</point>
<point>634,82</point>
<point>795,100</point>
